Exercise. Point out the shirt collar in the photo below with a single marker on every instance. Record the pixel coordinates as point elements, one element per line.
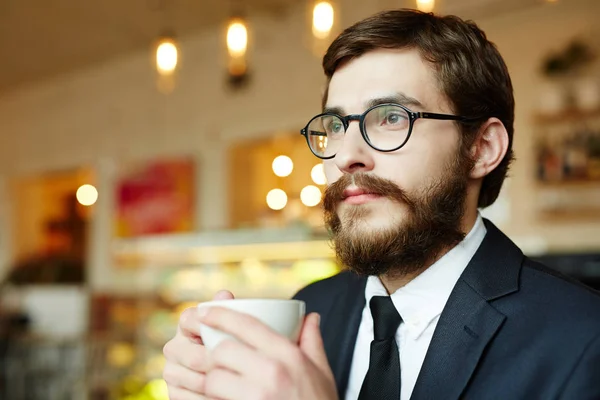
<point>422,300</point>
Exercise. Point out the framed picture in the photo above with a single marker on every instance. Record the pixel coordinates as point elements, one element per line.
<point>155,197</point>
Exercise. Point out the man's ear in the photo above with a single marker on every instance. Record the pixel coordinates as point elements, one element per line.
<point>489,148</point>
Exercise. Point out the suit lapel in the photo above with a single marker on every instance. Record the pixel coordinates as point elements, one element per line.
<point>469,322</point>
<point>466,326</point>
<point>341,329</point>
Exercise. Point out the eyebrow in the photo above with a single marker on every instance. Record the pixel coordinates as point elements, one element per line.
<point>399,98</point>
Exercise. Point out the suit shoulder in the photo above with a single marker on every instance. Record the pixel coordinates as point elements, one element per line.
<point>560,293</point>
<point>538,271</point>
<point>325,287</point>
<point>321,296</point>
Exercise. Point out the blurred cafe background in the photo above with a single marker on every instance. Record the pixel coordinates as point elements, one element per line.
<point>150,155</point>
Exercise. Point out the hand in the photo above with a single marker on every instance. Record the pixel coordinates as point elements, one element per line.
<point>264,365</point>
<point>186,364</point>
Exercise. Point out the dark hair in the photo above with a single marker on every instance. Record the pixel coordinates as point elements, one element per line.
<point>469,69</point>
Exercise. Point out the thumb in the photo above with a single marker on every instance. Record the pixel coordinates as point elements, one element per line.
<point>311,342</point>
<point>223,295</point>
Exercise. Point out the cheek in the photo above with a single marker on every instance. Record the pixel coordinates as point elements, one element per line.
<point>423,161</point>
<point>332,172</point>
<point>408,171</point>
<point>389,213</point>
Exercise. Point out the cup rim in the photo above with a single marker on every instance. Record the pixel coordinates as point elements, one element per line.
<point>250,301</point>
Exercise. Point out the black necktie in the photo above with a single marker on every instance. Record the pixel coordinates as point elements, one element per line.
<point>382,381</point>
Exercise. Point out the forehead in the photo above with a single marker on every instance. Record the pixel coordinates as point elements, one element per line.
<point>384,73</point>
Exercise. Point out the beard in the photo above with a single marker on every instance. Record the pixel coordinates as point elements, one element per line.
<point>432,224</point>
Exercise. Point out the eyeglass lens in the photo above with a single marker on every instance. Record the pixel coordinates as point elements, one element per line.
<point>386,127</point>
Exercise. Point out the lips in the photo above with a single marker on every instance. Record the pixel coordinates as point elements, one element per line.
<point>358,196</point>
<point>350,192</point>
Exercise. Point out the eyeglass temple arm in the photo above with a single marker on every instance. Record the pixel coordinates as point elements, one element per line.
<point>304,132</point>
<point>429,115</point>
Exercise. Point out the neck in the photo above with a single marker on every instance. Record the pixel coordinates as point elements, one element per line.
<point>393,282</point>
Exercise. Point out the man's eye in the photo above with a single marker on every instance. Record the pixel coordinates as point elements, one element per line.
<point>393,118</point>
<point>335,127</point>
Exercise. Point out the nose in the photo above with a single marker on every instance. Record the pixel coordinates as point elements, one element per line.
<point>355,155</point>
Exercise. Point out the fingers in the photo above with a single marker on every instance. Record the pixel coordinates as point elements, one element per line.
<point>176,393</point>
<point>189,325</point>
<point>247,329</point>
<point>176,375</point>
<point>226,385</point>
<point>238,358</point>
<point>311,342</point>
<point>186,348</point>
<point>186,356</point>
<point>190,355</point>
<point>189,321</point>
<point>223,295</point>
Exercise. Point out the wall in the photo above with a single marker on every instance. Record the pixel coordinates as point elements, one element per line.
<point>111,113</point>
<point>524,39</point>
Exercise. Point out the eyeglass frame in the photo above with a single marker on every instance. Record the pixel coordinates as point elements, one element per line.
<point>412,117</point>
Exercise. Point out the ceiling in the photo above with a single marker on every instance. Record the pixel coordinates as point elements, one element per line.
<point>40,39</point>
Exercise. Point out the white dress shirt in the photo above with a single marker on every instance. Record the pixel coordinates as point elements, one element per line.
<point>420,303</point>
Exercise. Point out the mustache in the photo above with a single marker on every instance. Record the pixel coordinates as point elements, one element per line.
<point>334,193</point>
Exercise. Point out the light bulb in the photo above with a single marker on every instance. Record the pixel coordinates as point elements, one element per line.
<point>426,5</point>
<point>86,195</point>
<point>318,174</point>
<point>323,16</point>
<point>166,57</point>
<point>276,199</point>
<point>310,196</point>
<point>282,166</point>
<point>237,38</point>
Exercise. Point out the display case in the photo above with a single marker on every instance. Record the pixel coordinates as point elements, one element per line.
<point>162,275</point>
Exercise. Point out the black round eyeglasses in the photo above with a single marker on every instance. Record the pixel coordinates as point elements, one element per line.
<point>385,127</point>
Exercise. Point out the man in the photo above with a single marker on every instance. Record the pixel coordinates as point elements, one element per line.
<point>416,135</point>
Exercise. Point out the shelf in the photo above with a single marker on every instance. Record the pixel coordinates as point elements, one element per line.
<point>195,256</point>
<point>569,216</point>
<point>568,116</point>
<point>568,184</point>
<point>221,247</point>
<point>219,238</point>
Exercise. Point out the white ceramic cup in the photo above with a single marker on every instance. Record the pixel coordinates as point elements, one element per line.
<point>283,316</point>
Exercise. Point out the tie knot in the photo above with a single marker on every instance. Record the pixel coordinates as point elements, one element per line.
<point>386,319</point>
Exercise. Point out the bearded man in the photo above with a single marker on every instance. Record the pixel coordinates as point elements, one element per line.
<point>436,303</point>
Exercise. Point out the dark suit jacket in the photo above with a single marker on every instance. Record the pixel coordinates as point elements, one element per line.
<point>511,329</point>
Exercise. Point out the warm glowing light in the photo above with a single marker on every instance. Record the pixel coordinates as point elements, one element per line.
<point>181,307</point>
<point>237,38</point>
<point>276,199</point>
<point>87,195</point>
<point>166,57</point>
<point>426,5</point>
<point>120,354</point>
<point>157,389</point>
<point>310,270</point>
<point>282,166</point>
<point>323,16</point>
<point>237,66</point>
<point>318,174</point>
<point>310,196</point>
<point>321,143</point>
